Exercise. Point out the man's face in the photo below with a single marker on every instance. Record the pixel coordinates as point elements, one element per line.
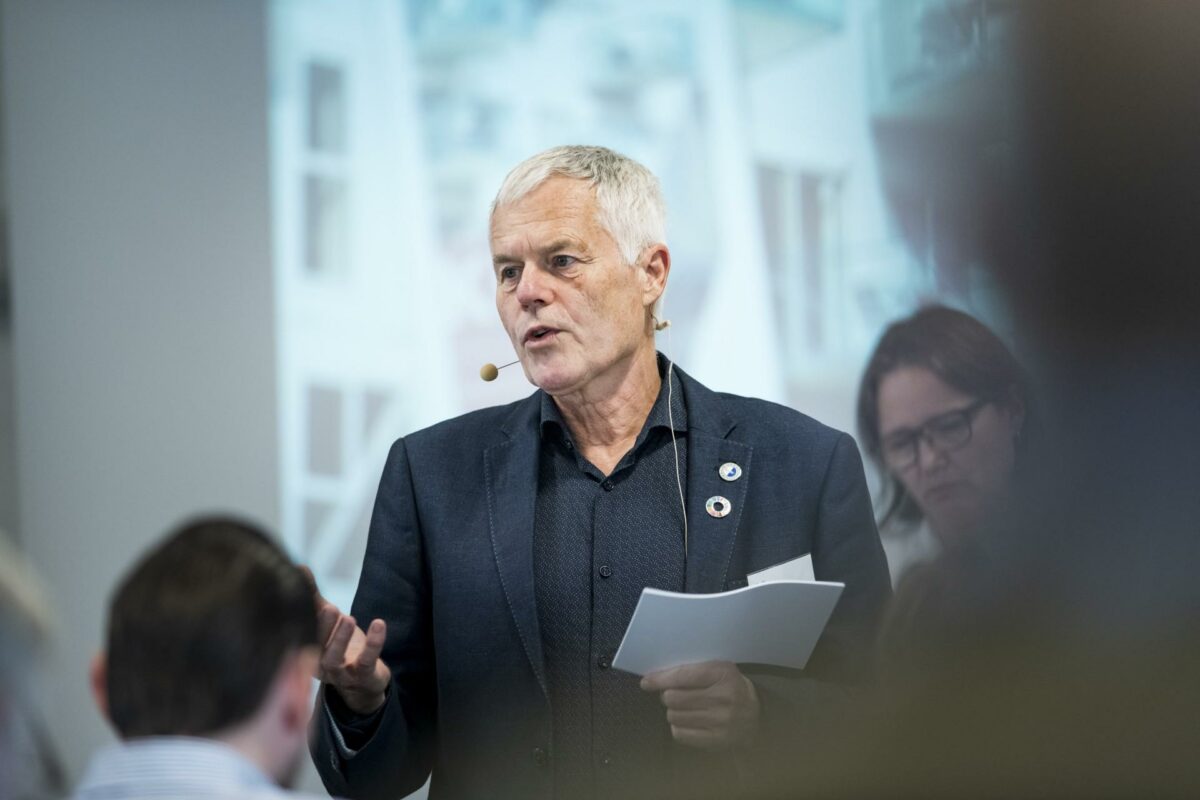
<point>575,312</point>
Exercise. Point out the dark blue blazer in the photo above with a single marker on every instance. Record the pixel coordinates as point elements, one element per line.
<point>449,567</point>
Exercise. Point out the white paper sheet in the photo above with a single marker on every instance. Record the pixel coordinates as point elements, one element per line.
<point>798,569</point>
<point>771,623</point>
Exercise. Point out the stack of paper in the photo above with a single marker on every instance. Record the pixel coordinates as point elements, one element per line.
<point>768,622</point>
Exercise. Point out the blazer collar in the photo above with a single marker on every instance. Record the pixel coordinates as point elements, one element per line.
<point>510,468</point>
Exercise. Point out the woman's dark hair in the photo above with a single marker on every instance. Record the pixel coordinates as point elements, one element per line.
<point>198,630</point>
<point>958,349</point>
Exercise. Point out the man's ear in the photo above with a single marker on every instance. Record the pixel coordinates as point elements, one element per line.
<point>655,266</point>
<point>296,680</point>
<point>98,679</point>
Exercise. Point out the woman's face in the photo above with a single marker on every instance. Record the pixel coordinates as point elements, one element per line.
<point>952,452</point>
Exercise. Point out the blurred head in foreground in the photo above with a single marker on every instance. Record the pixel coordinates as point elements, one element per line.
<point>941,410</point>
<point>1066,665</point>
<point>28,766</point>
<point>213,635</point>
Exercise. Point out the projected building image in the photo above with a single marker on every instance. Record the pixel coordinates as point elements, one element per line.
<point>393,124</point>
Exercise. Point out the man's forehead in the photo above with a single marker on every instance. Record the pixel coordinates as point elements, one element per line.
<point>547,213</point>
<point>555,197</point>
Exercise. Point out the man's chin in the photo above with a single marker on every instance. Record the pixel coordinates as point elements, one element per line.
<point>553,381</point>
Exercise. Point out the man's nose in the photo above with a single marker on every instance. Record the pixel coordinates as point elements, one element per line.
<point>534,287</point>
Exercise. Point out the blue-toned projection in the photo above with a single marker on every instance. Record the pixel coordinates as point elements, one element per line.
<point>393,124</point>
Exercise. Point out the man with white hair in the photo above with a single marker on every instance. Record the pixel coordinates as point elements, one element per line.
<point>509,547</point>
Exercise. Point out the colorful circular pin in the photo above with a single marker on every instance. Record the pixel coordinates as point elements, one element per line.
<point>718,506</point>
<point>729,471</point>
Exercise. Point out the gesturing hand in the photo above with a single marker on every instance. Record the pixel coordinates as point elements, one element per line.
<point>711,705</point>
<point>350,659</point>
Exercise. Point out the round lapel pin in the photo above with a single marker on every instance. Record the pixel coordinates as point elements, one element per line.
<point>729,471</point>
<point>718,506</point>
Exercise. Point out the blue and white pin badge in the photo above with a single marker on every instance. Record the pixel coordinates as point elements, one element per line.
<point>729,471</point>
<point>718,506</point>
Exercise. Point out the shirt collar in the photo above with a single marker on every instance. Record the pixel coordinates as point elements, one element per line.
<point>181,762</point>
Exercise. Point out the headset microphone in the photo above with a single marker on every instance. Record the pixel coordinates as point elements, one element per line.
<point>488,372</point>
<point>662,325</point>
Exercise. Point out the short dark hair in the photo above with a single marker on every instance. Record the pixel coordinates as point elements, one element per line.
<point>199,628</point>
<point>963,353</point>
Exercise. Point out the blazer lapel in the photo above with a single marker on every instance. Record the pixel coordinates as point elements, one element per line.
<point>710,538</point>
<point>511,474</point>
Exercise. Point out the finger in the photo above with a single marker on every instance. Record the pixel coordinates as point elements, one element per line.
<point>334,656</point>
<point>327,612</point>
<point>327,617</point>
<point>698,737</point>
<point>709,718</point>
<point>376,636</point>
<point>688,676</point>
<point>692,699</point>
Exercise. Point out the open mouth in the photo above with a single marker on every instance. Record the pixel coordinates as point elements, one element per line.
<point>539,333</point>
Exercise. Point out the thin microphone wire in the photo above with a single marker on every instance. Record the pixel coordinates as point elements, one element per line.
<point>674,443</point>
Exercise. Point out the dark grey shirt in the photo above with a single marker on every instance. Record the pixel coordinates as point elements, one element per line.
<point>598,541</point>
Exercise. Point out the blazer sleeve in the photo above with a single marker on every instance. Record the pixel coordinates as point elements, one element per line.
<point>794,704</point>
<point>394,587</point>
<point>847,549</point>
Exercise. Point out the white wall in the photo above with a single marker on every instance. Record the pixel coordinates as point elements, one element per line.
<point>8,466</point>
<point>137,156</point>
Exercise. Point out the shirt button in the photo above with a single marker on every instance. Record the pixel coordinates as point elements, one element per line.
<point>539,757</point>
<point>606,760</point>
<point>603,662</point>
<point>605,571</point>
<point>607,486</point>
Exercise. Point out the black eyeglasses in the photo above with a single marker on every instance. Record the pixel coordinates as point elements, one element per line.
<point>948,431</point>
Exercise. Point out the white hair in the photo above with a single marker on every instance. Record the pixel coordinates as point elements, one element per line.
<point>630,200</point>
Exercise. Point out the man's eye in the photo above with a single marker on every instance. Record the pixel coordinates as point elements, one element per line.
<point>561,261</point>
<point>509,273</point>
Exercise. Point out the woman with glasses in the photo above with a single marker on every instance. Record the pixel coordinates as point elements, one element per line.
<point>941,412</point>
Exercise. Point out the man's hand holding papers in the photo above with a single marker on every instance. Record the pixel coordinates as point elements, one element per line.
<point>711,705</point>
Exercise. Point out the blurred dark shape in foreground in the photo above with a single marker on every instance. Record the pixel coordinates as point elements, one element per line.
<point>1067,662</point>
<point>29,765</point>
